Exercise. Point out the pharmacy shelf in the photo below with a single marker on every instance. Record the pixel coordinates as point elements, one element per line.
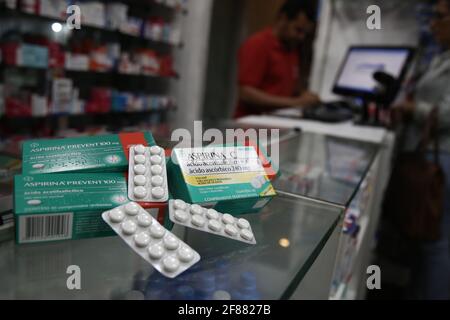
<point>166,6</point>
<point>342,293</point>
<point>90,114</point>
<point>95,73</point>
<point>20,14</point>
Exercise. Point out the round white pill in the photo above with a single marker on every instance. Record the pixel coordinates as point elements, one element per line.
<point>246,234</point>
<point>132,208</point>
<point>157,231</point>
<point>34,202</point>
<point>139,149</point>
<point>140,192</point>
<point>181,215</point>
<point>142,239</point>
<point>140,180</point>
<point>128,227</point>
<point>243,224</point>
<point>171,264</point>
<point>116,215</point>
<point>155,159</point>
<point>158,192</point>
<point>212,214</point>
<point>38,166</point>
<point>179,204</point>
<point>196,209</point>
<point>214,225</point>
<point>198,221</point>
<point>185,254</point>
<point>231,230</point>
<point>139,159</point>
<point>156,169</point>
<point>171,243</point>
<point>144,220</point>
<point>156,251</point>
<point>155,150</point>
<point>140,169</point>
<point>227,218</point>
<point>157,181</point>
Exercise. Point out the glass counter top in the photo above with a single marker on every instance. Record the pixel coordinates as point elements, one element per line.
<point>323,167</point>
<point>290,233</point>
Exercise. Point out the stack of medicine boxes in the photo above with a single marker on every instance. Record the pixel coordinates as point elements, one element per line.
<point>66,184</point>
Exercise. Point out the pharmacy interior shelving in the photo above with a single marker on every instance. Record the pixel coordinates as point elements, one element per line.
<point>17,14</point>
<point>103,70</point>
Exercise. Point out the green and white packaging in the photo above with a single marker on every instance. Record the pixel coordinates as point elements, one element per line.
<point>51,207</point>
<point>230,179</point>
<point>107,153</point>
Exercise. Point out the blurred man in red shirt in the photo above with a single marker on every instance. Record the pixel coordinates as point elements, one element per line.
<point>269,63</point>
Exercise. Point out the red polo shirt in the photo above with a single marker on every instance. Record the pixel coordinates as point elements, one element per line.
<point>265,64</point>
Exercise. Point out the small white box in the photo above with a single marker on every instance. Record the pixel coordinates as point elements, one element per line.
<point>77,62</point>
<point>116,15</point>
<point>39,106</point>
<point>92,13</point>
<point>53,8</point>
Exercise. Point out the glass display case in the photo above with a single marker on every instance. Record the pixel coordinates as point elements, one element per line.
<point>290,233</point>
<point>341,172</point>
<point>322,167</point>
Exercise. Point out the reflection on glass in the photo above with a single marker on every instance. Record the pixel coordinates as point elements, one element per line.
<point>109,269</point>
<point>284,242</point>
<point>323,167</point>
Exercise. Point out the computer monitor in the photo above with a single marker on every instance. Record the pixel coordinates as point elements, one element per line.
<point>356,75</point>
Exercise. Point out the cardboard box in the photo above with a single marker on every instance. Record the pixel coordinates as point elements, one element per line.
<point>107,153</point>
<point>53,207</point>
<point>76,62</point>
<point>53,8</point>
<point>230,179</point>
<point>33,56</point>
<point>65,206</point>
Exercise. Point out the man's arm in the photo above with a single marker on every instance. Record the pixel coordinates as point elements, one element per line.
<point>260,98</point>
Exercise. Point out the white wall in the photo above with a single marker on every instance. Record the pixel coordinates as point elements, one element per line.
<point>343,23</point>
<point>191,62</point>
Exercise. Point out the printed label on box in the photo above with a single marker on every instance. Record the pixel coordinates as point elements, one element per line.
<point>222,175</point>
<point>91,153</point>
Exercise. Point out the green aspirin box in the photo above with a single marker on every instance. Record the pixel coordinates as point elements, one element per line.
<point>106,153</point>
<point>50,207</point>
<point>230,179</point>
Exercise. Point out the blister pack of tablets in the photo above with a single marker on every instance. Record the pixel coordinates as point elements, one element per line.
<point>147,175</point>
<point>166,252</point>
<point>209,220</point>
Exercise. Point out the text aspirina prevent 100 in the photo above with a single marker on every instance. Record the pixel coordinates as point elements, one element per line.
<point>51,207</point>
<point>107,153</point>
<point>229,179</point>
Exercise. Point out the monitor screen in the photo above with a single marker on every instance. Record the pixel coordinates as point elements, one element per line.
<point>356,75</point>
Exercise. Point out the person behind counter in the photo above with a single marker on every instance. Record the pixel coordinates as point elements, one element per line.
<point>269,62</point>
<point>432,277</point>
